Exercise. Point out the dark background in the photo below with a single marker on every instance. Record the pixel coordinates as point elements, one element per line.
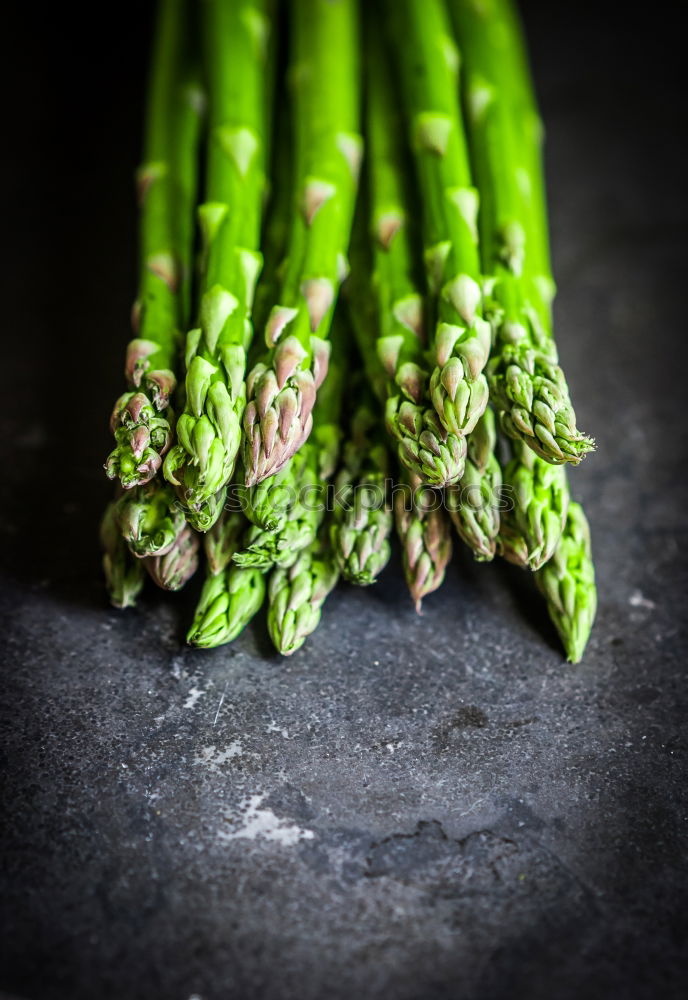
<point>448,810</point>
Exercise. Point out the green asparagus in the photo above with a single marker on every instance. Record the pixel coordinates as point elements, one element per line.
<point>150,519</point>
<point>474,505</point>
<point>388,311</point>
<point>568,584</point>
<point>362,518</point>
<point>209,429</point>
<point>428,64</point>
<point>449,296</point>
<point>537,495</point>
<point>303,479</point>
<point>203,516</point>
<point>223,539</point>
<point>526,382</point>
<point>228,602</point>
<point>124,574</point>
<point>270,502</point>
<point>282,386</point>
<point>296,595</point>
<point>142,421</point>
<point>176,567</point>
<point>424,532</point>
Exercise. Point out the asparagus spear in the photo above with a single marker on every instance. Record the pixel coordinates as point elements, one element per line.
<point>297,594</point>
<point>267,503</point>
<point>270,502</point>
<point>526,382</point>
<point>304,478</point>
<point>142,420</point>
<point>428,64</point>
<point>124,574</point>
<point>203,516</point>
<point>150,519</point>
<point>282,386</point>
<point>223,540</point>
<point>388,311</point>
<point>209,429</point>
<point>474,505</point>
<point>362,518</point>
<point>262,548</point>
<point>176,567</point>
<point>424,532</point>
<point>538,495</point>
<point>228,602</point>
<point>568,583</point>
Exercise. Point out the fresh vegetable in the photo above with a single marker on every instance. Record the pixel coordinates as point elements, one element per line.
<point>526,382</point>
<point>428,64</point>
<point>386,294</point>
<point>362,518</point>
<point>236,38</point>
<point>124,575</point>
<point>176,567</point>
<point>568,584</point>
<point>438,372</point>
<point>228,602</point>
<point>475,503</point>
<point>537,499</point>
<point>424,531</point>
<point>141,420</point>
<point>296,594</point>
<point>282,386</point>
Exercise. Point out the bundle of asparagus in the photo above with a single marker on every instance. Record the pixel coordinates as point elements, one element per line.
<point>440,400</point>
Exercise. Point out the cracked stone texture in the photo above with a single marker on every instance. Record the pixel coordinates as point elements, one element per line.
<point>418,808</point>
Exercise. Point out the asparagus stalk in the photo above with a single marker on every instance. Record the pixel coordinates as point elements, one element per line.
<point>388,311</point>
<point>526,382</point>
<point>297,594</point>
<point>424,532</point>
<point>223,540</point>
<point>142,421</point>
<point>303,481</point>
<point>282,386</point>
<point>262,548</point>
<point>428,64</point>
<point>124,574</point>
<point>228,602</point>
<point>150,519</point>
<point>209,429</point>
<point>269,504</point>
<point>474,505</point>
<point>538,495</point>
<point>362,519</point>
<point>568,584</point>
<point>176,567</point>
<point>277,219</point>
<point>203,516</point>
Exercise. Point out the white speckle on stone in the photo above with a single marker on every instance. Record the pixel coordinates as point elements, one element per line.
<point>193,696</point>
<point>254,823</point>
<point>637,600</point>
<point>274,728</point>
<point>213,758</point>
<point>233,750</point>
<point>177,668</point>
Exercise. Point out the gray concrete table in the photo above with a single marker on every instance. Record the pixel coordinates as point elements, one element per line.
<point>411,807</point>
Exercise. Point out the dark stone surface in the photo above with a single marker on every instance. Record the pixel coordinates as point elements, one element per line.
<point>412,807</point>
